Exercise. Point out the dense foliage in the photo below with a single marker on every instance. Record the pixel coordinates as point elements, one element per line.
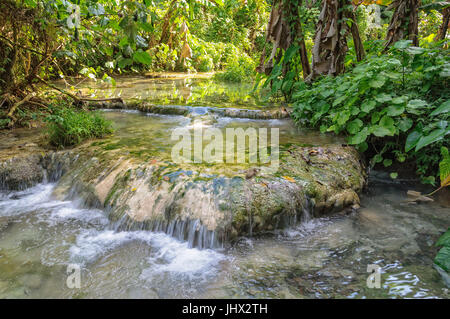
<point>398,103</point>
<point>67,126</point>
<point>153,35</point>
<point>43,40</point>
<point>442,259</point>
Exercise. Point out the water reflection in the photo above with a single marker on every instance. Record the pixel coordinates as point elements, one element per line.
<point>191,90</point>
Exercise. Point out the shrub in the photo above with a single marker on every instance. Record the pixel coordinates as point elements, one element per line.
<point>238,70</point>
<point>67,127</point>
<point>396,104</point>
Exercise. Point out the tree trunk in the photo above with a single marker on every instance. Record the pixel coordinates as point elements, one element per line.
<point>404,22</point>
<point>165,30</point>
<point>442,32</point>
<point>330,43</point>
<point>7,76</point>
<point>283,35</point>
<point>306,67</point>
<point>359,47</point>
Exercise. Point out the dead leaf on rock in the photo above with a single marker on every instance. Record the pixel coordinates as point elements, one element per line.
<point>289,179</point>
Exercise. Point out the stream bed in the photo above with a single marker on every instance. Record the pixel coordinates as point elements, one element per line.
<point>324,257</point>
<point>320,258</point>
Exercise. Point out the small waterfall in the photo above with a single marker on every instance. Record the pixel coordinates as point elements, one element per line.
<point>194,232</point>
<point>307,210</point>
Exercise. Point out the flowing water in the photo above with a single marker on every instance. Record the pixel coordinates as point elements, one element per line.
<point>318,258</point>
<point>324,257</point>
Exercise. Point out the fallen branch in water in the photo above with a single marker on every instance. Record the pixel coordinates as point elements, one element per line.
<point>79,99</point>
<point>111,99</point>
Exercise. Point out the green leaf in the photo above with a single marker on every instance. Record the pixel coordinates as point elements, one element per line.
<point>387,162</point>
<point>400,99</point>
<point>434,136</point>
<point>354,126</point>
<point>428,180</point>
<point>368,106</point>
<point>363,147</point>
<point>383,98</point>
<point>290,52</point>
<point>381,131</point>
<point>375,117</point>
<point>444,152</point>
<point>393,175</point>
<point>411,140</point>
<point>394,110</point>
<point>385,127</point>
<point>444,240</point>
<point>122,63</point>
<point>359,137</point>
<point>442,258</point>
<point>123,42</point>
<point>415,105</point>
<point>142,57</point>
<point>326,93</point>
<point>402,44</point>
<point>405,124</point>
<point>443,108</point>
<point>415,50</point>
<point>378,81</point>
<point>377,159</point>
<point>343,117</point>
<point>444,165</point>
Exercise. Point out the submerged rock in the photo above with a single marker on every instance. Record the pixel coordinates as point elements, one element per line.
<point>263,114</point>
<point>19,173</point>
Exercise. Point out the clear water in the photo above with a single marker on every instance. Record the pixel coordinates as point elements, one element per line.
<point>173,89</point>
<point>321,258</point>
<point>147,135</point>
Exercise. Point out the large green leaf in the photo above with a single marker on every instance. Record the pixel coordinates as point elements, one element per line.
<point>434,136</point>
<point>290,52</point>
<point>326,93</point>
<point>388,123</point>
<point>411,140</point>
<point>381,131</point>
<point>443,108</point>
<point>405,124</point>
<point>359,137</point>
<point>394,110</point>
<point>442,259</point>
<point>142,57</point>
<point>122,63</point>
<point>378,81</point>
<point>368,106</point>
<point>444,240</point>
<point>444,166</point>
<point>416,106</point>
<point>400,99</point>
<point>383,97</point>
<point>354,126</point>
